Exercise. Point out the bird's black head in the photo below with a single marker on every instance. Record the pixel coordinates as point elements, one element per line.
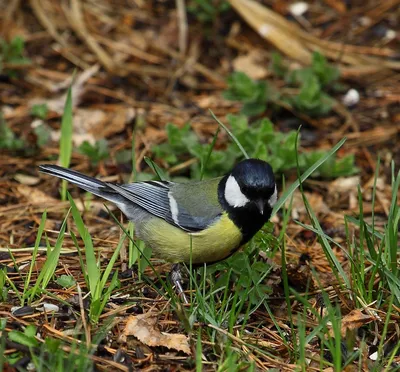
<point>248,194</point>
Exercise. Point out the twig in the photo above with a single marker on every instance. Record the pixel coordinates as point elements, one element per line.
<point>183,27</point>
<point>75,18</point>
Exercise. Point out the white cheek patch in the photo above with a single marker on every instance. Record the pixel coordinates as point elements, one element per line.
<point>174,208</point>
<point>274,197</point>
<point>233,195</point>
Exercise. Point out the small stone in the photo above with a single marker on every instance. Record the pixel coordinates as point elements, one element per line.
<point>299,8</point>
<point>351,98</point>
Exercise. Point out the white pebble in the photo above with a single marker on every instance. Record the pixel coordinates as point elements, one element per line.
<point>351,98</point>
<point>298,9</point>
<point>390,35</point>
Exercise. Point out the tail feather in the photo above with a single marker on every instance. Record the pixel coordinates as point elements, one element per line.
<point>87,183</point>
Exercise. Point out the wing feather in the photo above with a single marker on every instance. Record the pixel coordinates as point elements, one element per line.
<point>171,202</point>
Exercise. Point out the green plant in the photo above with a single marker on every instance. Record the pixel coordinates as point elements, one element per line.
<point>312,99</point>
<point>207,10</point>
<point>40,111</point>
<point>29,291</point>
<point>66,139</point>
<point>3,288</point>
<point>50,265</point>
<point>53,356</point>
<point>324,73</point>
<point>380,260</point>
<point>66,281</point>
<point>50,354</point>
<point>95,152</point>
<point>8,140</point>
<point>12,53</point>
<point>254,94</point>
<point>96,280</point>
<point>258,139</point>
<point>42,132</point>
<point>27,337</point>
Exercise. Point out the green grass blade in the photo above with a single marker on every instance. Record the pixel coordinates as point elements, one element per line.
<point>110,264</point>
<point>157,170</point>
<point>231,135</point>
<point>35,250</point>
<point>314,220</point>
<point>304,176</point>
<point>50,265</point>
<point>66,139</point>
<point>92,269</point>
<point>199,353</point>
<point>204,162</point>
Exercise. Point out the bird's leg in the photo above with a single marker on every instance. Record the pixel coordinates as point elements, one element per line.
<point>176,278</point>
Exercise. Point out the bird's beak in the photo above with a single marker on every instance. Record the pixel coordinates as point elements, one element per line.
<point>260,205</point>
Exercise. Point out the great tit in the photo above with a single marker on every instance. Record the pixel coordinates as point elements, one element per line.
<point>203,221</point>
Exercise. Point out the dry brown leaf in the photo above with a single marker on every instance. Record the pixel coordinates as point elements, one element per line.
<point>93,124</point>
<point>300,277</point>
<point>77,90</point>
<point>25,179</point>
<point>116,121</point>
<point>35,196</point>
<point>252,64</point>
<point>352,321</point>
<point>344,185</point>
<point>316,201</point>
<point>144,328</point>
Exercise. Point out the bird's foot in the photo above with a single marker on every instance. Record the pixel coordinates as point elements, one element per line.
<point>176,278</point>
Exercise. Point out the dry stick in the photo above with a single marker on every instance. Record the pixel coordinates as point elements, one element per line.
<point>376,15</point>
<point>211,75</point>
<point>84,323</point>
<point>52,30</point>
<point>75,18</point>
<point>241,342</point>
<point>10,10</point>
<point>129,49</point>
<point>64,337</point>
<point>187,64</point>
<point>183,26</point>
<point>293,41</point>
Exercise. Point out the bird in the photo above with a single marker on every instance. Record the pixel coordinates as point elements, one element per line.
<point>195,222</point>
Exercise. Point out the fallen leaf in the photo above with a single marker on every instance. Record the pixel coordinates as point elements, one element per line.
<point>35,196</point>
<point>144,328</point>
<point>78,88</point>
<point>93,124</point>
<point>344,185</point>
<point>300,277</point>
<point>347,186</point>
<point>316,202</point>
<point>26,179</point>
<point>252,64</point>
<point>352,321</point>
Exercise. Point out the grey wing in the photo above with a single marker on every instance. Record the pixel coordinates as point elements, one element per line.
<point>159,199</point>
<point>196,204</point>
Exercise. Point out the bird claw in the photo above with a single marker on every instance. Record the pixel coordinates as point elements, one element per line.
<point>176,278</point>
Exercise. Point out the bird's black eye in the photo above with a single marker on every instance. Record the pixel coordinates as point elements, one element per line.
<point>244,189</point>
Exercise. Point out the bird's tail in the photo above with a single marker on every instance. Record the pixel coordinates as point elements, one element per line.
<point>90,184</point>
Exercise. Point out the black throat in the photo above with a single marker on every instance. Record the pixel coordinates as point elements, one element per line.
<point>248,219</point>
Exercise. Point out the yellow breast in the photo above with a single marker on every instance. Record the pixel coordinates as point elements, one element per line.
<point>175,245</point>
